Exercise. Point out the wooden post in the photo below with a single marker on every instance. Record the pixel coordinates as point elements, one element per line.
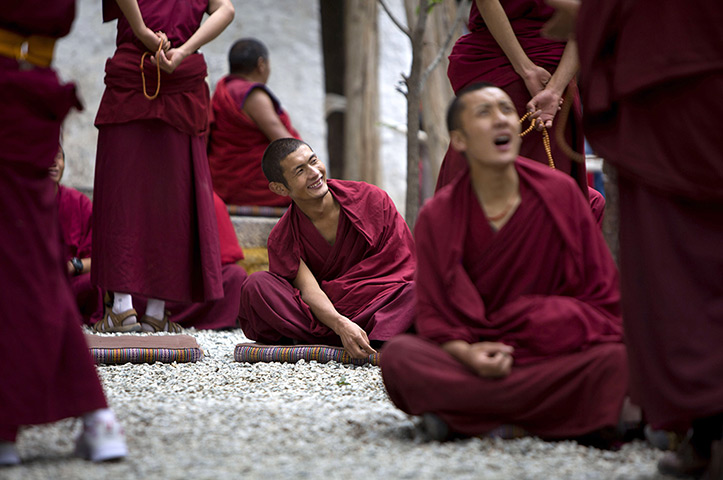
<point>436,92</point>
<point>361,135</point>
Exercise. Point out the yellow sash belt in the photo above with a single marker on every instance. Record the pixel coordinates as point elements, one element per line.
<point>35,49</point>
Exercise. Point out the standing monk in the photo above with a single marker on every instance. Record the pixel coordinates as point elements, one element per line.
<point>504,47</point>
<point>341,261</point>
<point>518,314</point>
<point>652,74</point>
<point>224,312</point>
<point>154,228</point>
<point>47,373</point>
<point>246,118</point>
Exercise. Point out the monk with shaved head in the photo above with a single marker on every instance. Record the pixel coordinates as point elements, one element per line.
<point>518,309</point>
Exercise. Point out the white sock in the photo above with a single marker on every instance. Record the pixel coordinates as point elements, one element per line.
<point>122,302</point>
<point>100,415</point>
<point>155,308</point>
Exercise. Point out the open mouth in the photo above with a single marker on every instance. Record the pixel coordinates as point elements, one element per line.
<point>502,140</point>
<point>317,184</point>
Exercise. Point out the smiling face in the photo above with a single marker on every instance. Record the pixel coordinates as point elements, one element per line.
<point>305,176</point>
<point>488,128</point>
<point>56,170</point>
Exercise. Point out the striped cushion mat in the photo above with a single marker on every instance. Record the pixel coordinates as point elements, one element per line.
<point>254,211</point>
<point>143,348</point>
<point>253,353</point>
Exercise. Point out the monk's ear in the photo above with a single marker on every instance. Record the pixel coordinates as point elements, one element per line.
<point>279,189</point>
<point>458,140</point>
<point>262,65</point>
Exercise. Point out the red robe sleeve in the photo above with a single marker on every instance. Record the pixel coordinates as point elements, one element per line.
<point>231,251</point>
<point>75,212</point>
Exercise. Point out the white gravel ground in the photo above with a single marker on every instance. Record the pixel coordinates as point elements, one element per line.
<point>219,419</point>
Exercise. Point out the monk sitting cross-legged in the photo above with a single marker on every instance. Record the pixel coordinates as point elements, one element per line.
<point>341,261</point>
<point>518,317</point>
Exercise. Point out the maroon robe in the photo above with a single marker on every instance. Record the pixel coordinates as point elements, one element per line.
<point>237,145</point>
<point>367,274</point>
<point>545,284</point>
<point>74,213</point>
<point>651,90</point>
<point>224,312</point>
<point>476,57</point>
<point>47,373</point>
<point>154,230</point>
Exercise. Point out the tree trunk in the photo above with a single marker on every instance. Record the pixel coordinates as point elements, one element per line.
<point>332,29</point>
<point>361,135</point>
<point>417,23</point>
<point>436,93</point>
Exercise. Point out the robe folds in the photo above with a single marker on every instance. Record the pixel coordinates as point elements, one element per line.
<point>367,274</point>
<point>152,181</point>
<point>237,145</point>
<point>224,312</point>
<point>47,372</point>
<point>651,111</point>
<point>545,283</point>
<point>75,210</point>
<point>476,57</point>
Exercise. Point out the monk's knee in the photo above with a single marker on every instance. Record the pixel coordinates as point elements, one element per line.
<point>398,352</point>
<point>256,284</point>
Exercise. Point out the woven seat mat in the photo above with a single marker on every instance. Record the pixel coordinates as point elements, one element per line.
<point>143,349</point>
<point>253,353</point>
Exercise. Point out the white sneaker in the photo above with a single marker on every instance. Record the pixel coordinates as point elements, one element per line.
<point>8,454</point>
<point>101,439</point>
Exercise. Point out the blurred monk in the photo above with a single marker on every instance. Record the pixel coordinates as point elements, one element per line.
<point>246,118</point>
<point>47,372</point>
<point>518,315</point>
<point>341,261</point>
<point>652,94</point>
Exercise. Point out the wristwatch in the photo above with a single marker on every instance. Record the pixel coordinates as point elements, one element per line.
<point>77,265</point>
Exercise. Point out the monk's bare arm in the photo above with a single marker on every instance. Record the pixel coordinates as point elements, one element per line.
<point>486,359</point>
<point>535,77</point>
<point>546,103</point>
<point>221,13</point>
<point>353,337</point>
<point>132,13</point>
<point>86,266</point>
<point>260,108</point>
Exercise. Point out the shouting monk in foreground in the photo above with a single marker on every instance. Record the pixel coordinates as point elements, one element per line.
<point>341,260</point>
<point>518,314</point>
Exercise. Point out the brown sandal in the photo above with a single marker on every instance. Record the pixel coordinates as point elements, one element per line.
<point>161,325</point>
<point>113,322</point>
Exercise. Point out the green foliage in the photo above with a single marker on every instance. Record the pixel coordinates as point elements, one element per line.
<point>430,6</point>
<point>342,381</point>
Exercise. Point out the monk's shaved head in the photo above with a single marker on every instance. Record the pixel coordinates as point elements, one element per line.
<point>454,112</point>
<point>244,55</point>
<point>275,153</point>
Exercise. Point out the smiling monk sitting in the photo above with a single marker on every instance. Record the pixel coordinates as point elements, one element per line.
<point>518,315</point>
<point>341,261</point>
